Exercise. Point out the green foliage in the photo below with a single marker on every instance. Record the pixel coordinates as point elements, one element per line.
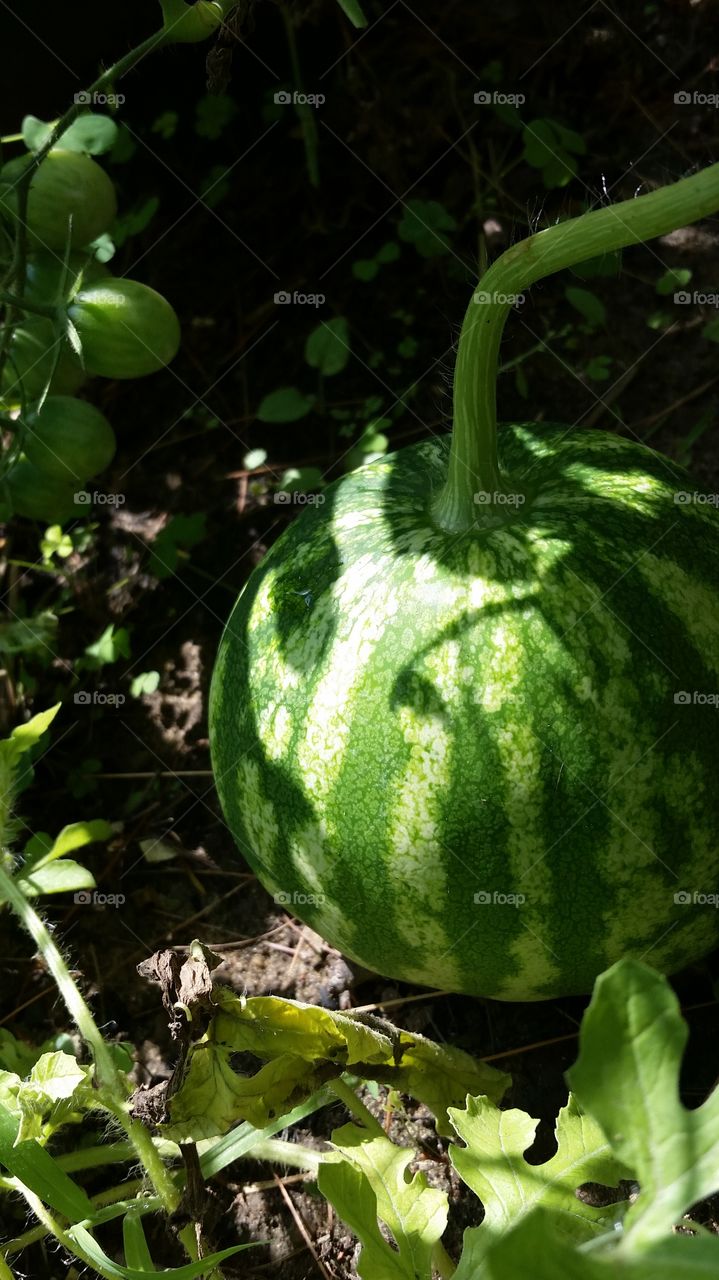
<point>425,224</point>
<point>113,644</point>
<point>599,368</point>
<point>624,1120</point>
<point>145,682</point>
<point>587,304</point>
<point>135,220</point>
<point>180,535</point>
<point>328,346</point>
<point>287,404</point>
<point>673,279</point>
<point>301,1046</point>
<point>213,114</point>
<point>92,133</point>
<point>366,269</point>
<point>372,1182</point>
<point>553,149</point>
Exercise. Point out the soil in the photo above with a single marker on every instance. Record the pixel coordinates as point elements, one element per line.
<point>399,122</point>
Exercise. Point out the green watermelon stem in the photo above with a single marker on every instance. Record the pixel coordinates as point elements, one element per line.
<point>473,463</point>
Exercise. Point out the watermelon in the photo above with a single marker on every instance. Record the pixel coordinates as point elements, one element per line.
<point>463,718</point>
<point>485,761</point>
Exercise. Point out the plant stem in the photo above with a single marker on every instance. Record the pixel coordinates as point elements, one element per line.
<point>106,1072</point>
<point>357,1107</point>
<point>302,109</point>
<point>37,308</point>
<point>52,1225</point>
<point>473,462</point>
<point>112,1086</point>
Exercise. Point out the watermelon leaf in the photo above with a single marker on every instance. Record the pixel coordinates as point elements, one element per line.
<point>302,1045</point>
<point>492,1164</point>
<point>371,1183</point>
<point>627,1076</point>
<point>534,1248</point>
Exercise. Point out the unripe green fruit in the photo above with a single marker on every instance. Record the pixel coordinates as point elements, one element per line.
<point>70,195</point>
<point>39,496</point>
<point>69,439</point>
<point>126,329</point>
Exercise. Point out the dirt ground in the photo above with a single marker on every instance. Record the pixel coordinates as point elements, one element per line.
<point>399,122</point>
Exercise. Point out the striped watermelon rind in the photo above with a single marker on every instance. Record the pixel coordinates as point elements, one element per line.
<point>485,761</point>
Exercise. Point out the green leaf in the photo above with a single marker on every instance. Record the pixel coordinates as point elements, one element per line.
<point>15,1055</point>
<point>492,1164</point>
<point>328,346</point>
<point>213,113</point>
<point>374,1184</point>
<point>24,737</point>
<point>137,1253</point>
<point>287,404</point>
<point>569,138</point>
<point>255,458</point>
<point>76,835</point>
<point>301,480</point>
<point>711,330</point>
<point>674,278</point>
<point>181,533</point>
<point>166,124</point>
<point>389,252</point>
<point>587,304</point>
<point>346,1188</point>
<point>124,148</point>
<point>60,877</point>
<point>407,348</point>
<point>551,147</point>
<point>135,220</point>
<point>534,1249</point>
<point>145,682</point>
<point>108,1267</point>
<point>424,225</point>
<point>627,1076</point>
<point>110,647</point>
<point>34,1166</point>
<point>353,10</point>
<point>365,269</point>
<point>54,1076</point>
<point>29,635</point>
<point>91,133</point>
<point>303,1045</point>
<point>598,368</point>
